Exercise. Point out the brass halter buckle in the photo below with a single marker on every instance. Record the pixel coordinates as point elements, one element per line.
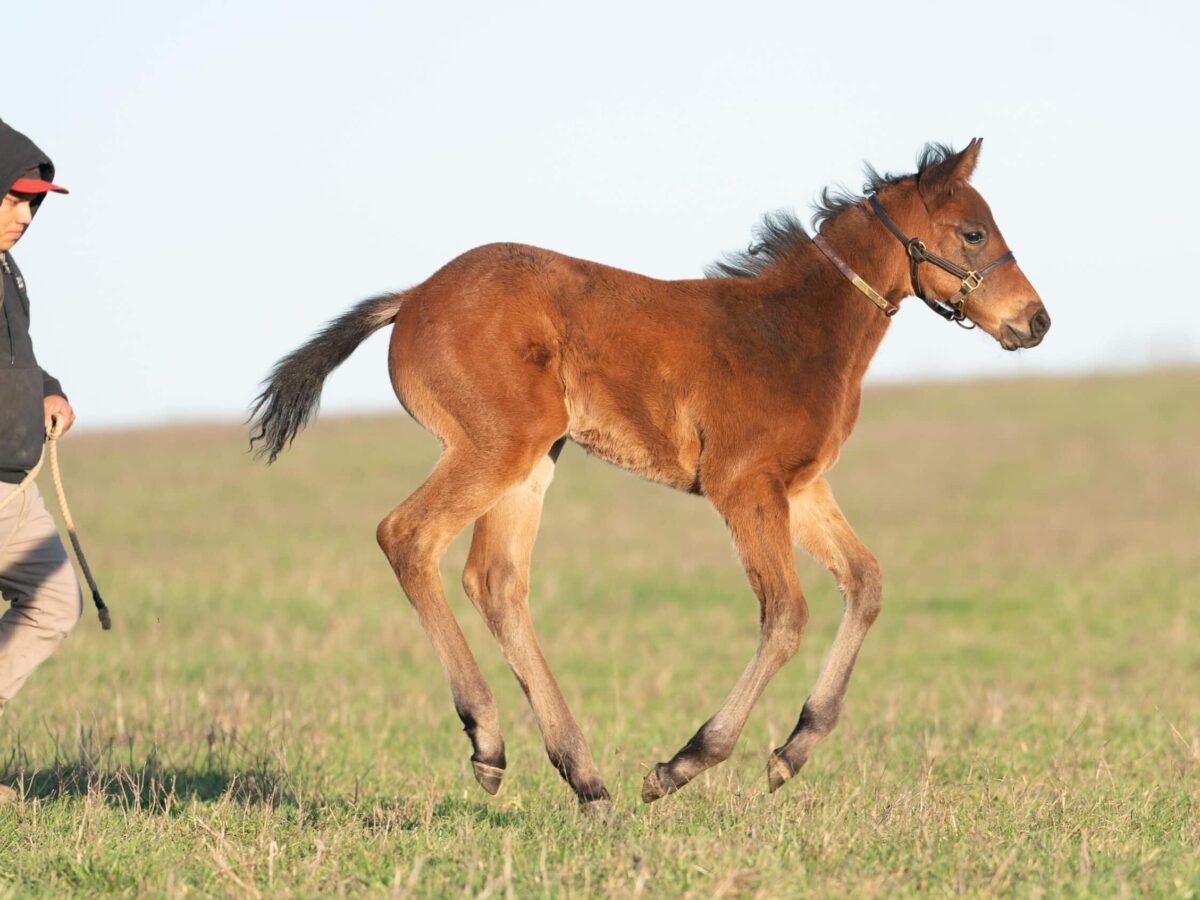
<point>971,281</point>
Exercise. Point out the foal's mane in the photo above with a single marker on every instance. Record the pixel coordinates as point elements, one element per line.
<point>780,231</point>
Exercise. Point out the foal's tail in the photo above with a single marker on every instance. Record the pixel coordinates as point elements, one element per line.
<point>294,388</point>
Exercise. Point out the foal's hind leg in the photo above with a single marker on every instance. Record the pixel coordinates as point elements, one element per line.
<point>415,536</point>
<point>496,579</point>
<point>757,513</point>
<point>819,526</point>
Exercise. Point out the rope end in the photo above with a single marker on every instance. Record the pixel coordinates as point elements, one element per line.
<point>102,611</point>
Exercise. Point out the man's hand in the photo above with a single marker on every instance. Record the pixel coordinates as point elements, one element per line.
<point>57,407</point>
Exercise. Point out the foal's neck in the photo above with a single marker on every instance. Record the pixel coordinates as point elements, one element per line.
<point>837,313</point>
<point>865,244</point>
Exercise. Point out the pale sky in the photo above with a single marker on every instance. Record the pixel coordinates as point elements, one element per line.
<point>241,172</point>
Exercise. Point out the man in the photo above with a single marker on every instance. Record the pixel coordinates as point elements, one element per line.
<point>36,577</point>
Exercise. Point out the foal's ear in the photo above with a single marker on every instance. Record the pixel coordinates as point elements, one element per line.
<point>951,173</point>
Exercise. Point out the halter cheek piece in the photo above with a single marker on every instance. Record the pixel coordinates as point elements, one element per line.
<point>950,310</point>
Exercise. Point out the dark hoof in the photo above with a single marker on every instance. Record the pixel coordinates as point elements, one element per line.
<point>658,784</point>
<point>596,810</point>
<point>778,772</point>
<point>487,776</point>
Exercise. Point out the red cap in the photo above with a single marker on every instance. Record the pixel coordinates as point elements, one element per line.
<point>36,186</point>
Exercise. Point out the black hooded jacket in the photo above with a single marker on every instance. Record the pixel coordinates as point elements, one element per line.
<point>23,384</point>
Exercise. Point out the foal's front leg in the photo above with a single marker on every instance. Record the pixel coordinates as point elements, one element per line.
<point>819,526</point>
<point>756,510</point>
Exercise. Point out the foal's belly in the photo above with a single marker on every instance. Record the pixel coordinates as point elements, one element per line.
<point>660,447</point>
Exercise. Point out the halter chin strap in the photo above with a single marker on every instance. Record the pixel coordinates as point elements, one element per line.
<point>951,310</point>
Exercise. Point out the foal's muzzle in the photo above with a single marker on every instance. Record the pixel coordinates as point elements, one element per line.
<point>1012,338</point>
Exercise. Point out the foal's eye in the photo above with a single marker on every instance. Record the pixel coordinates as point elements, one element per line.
<point>974,237</point>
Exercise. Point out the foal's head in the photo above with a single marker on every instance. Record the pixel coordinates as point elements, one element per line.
<point>961,230</point>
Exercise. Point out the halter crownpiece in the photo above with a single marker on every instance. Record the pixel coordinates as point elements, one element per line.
<point>952,310</point>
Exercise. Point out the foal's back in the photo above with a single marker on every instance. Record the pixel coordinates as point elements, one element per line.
<point>648,374</point>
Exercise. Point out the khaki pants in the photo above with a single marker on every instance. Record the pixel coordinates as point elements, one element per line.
<point>39,582</point>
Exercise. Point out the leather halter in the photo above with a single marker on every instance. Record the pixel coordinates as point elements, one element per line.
<point>950,310</point>
<point>889,309</point>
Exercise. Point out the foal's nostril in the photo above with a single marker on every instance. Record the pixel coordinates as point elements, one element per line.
<point>1039,324</point>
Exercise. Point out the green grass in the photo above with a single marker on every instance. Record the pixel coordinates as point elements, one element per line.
<point>267,716</point>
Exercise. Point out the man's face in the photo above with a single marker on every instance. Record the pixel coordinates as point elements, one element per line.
<point>15,215</point>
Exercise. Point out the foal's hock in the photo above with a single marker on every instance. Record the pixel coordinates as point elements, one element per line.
<point>742,387</point>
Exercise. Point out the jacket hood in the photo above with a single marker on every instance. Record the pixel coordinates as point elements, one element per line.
<point>18,154</point>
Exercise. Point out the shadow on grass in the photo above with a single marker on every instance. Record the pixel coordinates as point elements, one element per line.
<point>229,770</point>
<point>234,773</point>
<point>152,787</point>
<point>170,790</point>
<point>386,816</point>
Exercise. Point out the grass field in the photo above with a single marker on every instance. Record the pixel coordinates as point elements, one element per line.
<point>268,717</point>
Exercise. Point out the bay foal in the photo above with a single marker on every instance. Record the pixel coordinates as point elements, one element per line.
<point>741,387</point>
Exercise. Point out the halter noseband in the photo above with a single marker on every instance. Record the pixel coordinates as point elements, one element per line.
<point>950,310</point>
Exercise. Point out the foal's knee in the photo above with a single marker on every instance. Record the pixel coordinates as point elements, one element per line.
<point>863,587</point>
<point>783,628</point>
